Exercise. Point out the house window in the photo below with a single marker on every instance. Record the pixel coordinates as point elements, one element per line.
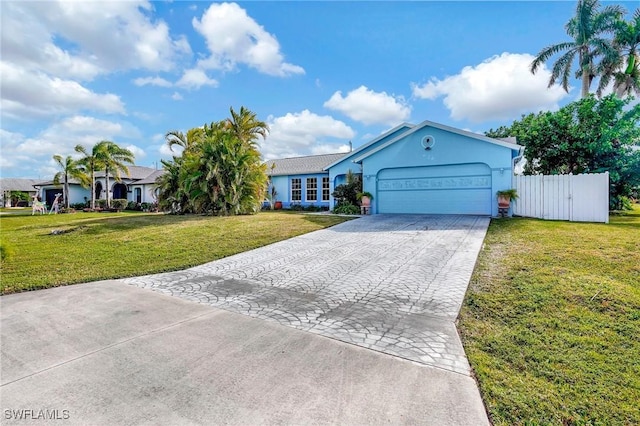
<point>296,189</point>
<point>312,189</point>
<point>325,189</point>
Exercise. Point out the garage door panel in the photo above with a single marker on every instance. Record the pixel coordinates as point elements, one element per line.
<point>453,189</point>
<point>436,202</point>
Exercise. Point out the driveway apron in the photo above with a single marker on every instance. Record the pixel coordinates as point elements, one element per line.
<point>390,283</point>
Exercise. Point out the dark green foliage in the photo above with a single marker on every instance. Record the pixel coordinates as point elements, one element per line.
<point>347,193</point>
<point>347,208</point>
<point>17,196</point>
<point>587,136</point>
<point>78,206</point>
<point>220,170</point>
<point>119,203</point>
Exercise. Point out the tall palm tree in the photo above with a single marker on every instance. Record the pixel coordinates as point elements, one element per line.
<point>586,29</point>
<point>246,126</point>
<point>623,65</point>
<point>114,159</point>
<point>71,169</point>
<point>92,164</point>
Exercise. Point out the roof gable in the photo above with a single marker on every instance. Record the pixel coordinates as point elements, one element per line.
<point>360,150</point>
<point>302,165</point>
<point>426,123</point>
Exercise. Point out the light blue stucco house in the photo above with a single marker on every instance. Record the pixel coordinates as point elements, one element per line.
<point>425,168</point>
<point>303,180</point>
<point>137,186</point>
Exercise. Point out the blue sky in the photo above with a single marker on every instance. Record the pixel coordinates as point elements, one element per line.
<point>320,74</point>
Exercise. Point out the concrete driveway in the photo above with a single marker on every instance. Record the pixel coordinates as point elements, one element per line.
<point>110,352</point>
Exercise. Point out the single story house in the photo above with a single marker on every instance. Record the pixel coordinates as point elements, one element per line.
<point>8,185</point>
<point>137,186</point>
<point>426,168</point>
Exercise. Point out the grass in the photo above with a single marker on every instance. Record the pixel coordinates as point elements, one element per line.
<point>95,246</point>
<point>551,322</point>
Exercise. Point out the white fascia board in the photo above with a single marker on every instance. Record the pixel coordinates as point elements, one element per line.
<point>449,129</point>
<point>371,142</point>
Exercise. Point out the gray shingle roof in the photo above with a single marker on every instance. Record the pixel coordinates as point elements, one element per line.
<point>151,178</point>
<point>302,165</point>
<point>14,184</point>
<point>135,172</point>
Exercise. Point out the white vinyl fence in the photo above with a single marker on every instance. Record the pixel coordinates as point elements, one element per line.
<point>577,198</point>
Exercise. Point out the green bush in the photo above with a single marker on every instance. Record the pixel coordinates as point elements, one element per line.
<point>347,208</point>
<point>296,207</point>
<point>78,206</point>
<point>132,205</point>
<point>101,203</point>
<point>119,203</point>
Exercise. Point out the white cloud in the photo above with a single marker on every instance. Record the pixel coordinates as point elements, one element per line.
<point>369,107</point>
<point>195,78</point>
<point>176,96</point>
<point>153,81</point>
<point>138,152</point>
<point>20,153</point>
<point>501,87</point>
<point>114,36</point>
<point>234,38</point>
<point>33,94</point>
<point>305,133</point>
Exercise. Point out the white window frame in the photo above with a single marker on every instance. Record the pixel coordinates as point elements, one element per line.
<point>298,189</point>
<point>327,188</point>
<point>311,190</point>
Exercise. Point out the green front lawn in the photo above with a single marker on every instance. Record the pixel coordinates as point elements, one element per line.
<point>551,322</point>
<point>95,246</point>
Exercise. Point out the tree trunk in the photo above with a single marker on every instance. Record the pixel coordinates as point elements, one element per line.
<point>93,190</point>
<point>586,80</point>
<point>66,191</point>
<point>106,180</point>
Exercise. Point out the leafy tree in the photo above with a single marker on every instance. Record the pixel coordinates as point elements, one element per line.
<point>92,164</point>
<point>586,29</point>
<point>107,156</point>
<point>347,193</point>
<point>71,169</point>
<point>171,195</point>
<point>114,159</point>
<point>221,174</point>
<point>188,141</point>
<point>246,126</point>
<point>623,64</point>
<point>587,136</point>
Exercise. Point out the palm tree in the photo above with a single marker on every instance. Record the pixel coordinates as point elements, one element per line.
<point>71,169</point>
<point>188,141</point>
<point>113,158</point>
<point>246,126</point>
<point>623,65</point>
<point>92,164</point>
<point>585,28</point>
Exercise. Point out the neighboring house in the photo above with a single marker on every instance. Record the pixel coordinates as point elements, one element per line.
<point>137,186</point>
<point>302,180</point>
<point>426,168</point>
<point>13,184</point>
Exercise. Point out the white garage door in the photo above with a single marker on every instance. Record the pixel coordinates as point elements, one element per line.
<point>450,189</point>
